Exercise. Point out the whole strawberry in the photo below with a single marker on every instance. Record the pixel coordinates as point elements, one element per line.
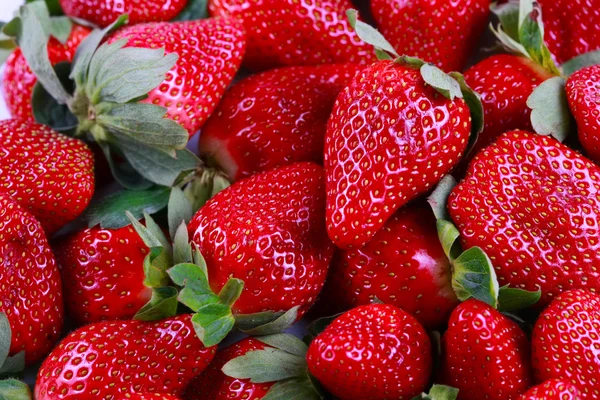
<point>288,32</point>
<point>485,354</point>
<point>565,342</point>
<point>583,94</point>
<point>50,175</point>
<point>553,389</point>
<point>103,273</point>
<point>274,118</point>
<point>30,289</point>
<point>111,359</point>
<point>440,32</point>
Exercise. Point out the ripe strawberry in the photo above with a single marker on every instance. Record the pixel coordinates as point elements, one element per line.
<point>30,288</point>
<point>441,32</point>
<point>565,341</point>
<point>373,352</point>
<point>552,389</point>
<point>103,273</point>
<point>404,265</point>
<point>149,396</point>
<point>321,32</point>
<point>50,175</point>
<point>213,384</point>
<point>533,205</point>
<point>103,13</point>
<point>18,80</point>
<point>485,354</point>
<point>272,119</point>
<point>109,359</point>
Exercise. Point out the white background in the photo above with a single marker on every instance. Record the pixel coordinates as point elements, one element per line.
<point>7,8</point>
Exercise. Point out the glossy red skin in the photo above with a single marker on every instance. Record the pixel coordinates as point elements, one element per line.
<point>269,231</point>
<point>18,80</point>
<point>103,274</point>
<point>213,384</point>
<point>485,354</point>
<point>441,32</point>
<point>565,342</point>
<point>190,92</point>
<point>583,94</point>
<point>571,27</point>
<point>533,205</point>
<point>49,174</point>
<point>553,389</point>
<point>372,352</point>
<point>105,12</point>
<point>149,396</point>
<point>295,32</point>
<point>274,118</point>
<point>111,359</point>
<point>30,286</point>
<point>404,265</point>
<point>383,150</point>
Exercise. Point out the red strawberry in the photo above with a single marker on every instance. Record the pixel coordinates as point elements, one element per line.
<point>213,384</point>
<point>103,274</point>
<point>18,80</point>
<point>50,175</point>
<point>30,289</point>
<point>441,32</point>
<point>273,119</point>
<point>485,354</point>
<point>533,205</point>
<point>109,359</point>
<point>404,265</point>
<point>372,352</point>
<point>321,32</point>
<point>566,339</point>
<point>103,13</point>
<point>552,389</point>
<point>149,396</point>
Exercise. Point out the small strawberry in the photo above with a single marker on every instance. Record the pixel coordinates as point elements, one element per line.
<point>321,33</point>
<point>30,286</point>
<point>583,95</point>
<point>441,32</point>
<point>553,389</point>
<point>50,175</point>
<point>111,359</point>
<point>274,118</point>
<point>566,339</point>
<point>485,354</point>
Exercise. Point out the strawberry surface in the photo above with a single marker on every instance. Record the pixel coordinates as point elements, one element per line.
<point>552,389</point>
<point>149,396</point>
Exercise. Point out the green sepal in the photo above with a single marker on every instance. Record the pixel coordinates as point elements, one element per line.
<point>531,36</point>
<point>47,111</point>
<point>438,199</point>
<point>579,62</point>
<point>53,7</point>
<point>196,290</point>
<point>473,276</point>
<point>439,392</point>
<point>122,170</point>
<point>412,62</point>
<point>199,260</point>
<point>195,10</point>
<point>508,15</point>
<point>60,28</point>
<point>179,211</point>
<point>513,299</point>
<point>319,325</point>
<point>281,322</point>
<point>203,187</point>
<point>154,268</point>
<point>303,388</point>
<point>448,235</point>
<point>473,100</point>
<point>163,304</point>
<point>7,44</point>
<point>13,366</point>
<point>370,35</point>
<point>212,323</point>
<point>5,337</point>
<point>9,365</point>
<point>12,389</point>
<point>182,249</point>
<point>550,114</point>
<point>442,82</point>
<point>268,365</point>
<point>286,342</point>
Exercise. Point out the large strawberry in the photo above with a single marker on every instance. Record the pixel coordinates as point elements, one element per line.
<point>111,359</point>
<point>566,338</point>
<point>441,32</point>
<point>50,175</point>
<point>274,118</point>
<point>553,389</point>
<point>30,288</point>
<point>290,32</point>
<point>485,354</point>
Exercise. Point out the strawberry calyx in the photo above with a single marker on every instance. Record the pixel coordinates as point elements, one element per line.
<point>550,114</point>
<point>15,390</point>
<point>11,366</point>
<point>439,392</point>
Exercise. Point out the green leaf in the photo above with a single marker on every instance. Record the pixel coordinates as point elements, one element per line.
<point>531,36</point>
<point>509,44</point>
<point>268,365</point>
<point>60,28</point>
<point>199,260</point>
<point>7,45</point>
<point>286,342</point>
<point>155,268</point>
<point>446,85</point>
<point>549,106</point>
<point>157,232</point>
<point>212,323</point>
<point>195,10</point>
<point>448,235</point>
<point>122,171</point>
<point>47,111</point>
<point>163,304</point>
<point>439,392</point>
<point>581,61</point>
<point>13,365</point>
<point>525,9</point>
<point>281,323</point>
<point>475,105</point>
<point>231,291</point>
<point>182,250</point>
<point>438,199</point>
<point>180,210</point>
<point>196,291</point>
<point>12,389</point>
<point>369,35</point>
<point>145,234</point>
<point>508,15</point>
<point>53,6</point>
<point>473,276</point>
<point>5,337</point>
<point>412,62</point>
<point>110,211</point>
<point>513,299</point>
<point>293,389</point>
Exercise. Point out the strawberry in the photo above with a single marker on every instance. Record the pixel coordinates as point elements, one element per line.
<point>485,354</point>
<point>149,396</point>
<point>565,342</point>
<point>18,80</point>
<point>533,205</point>
<point>274,118</point>
<point>103,13</point>
<point>403,265</point>
<point>30,293</point>
<point>552,389</point>
<point>103,274</point>
<point>50,175</point>
<point>215,385</point>
<point>111,359</point>
<point>321,33</point>
<point>440,32</point>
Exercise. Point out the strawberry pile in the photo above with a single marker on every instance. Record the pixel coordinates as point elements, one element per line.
<point>273,199</point>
